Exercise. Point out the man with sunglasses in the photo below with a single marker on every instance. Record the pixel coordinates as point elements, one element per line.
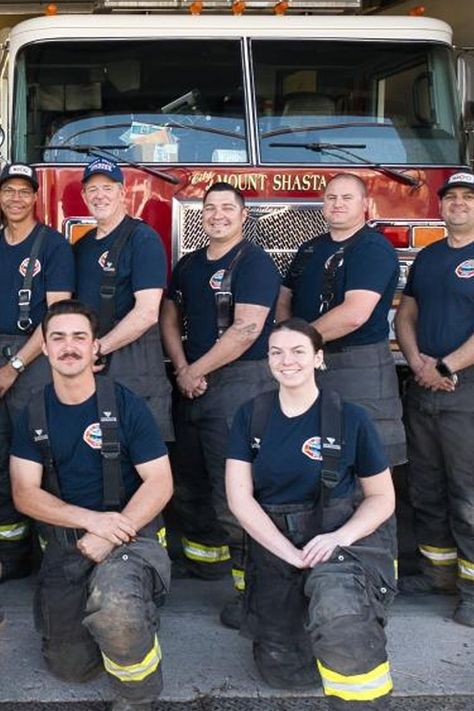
<point>343,283</point>
<point>36,269</point>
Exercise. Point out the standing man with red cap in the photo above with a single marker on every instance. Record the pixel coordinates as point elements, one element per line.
<point>36,269</point>
<point>435,329</point>
<point>121,273</point>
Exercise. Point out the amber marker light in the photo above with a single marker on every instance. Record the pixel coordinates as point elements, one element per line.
<point>280,8</point>
<point>417,11</point>
<point>51,9</point>
<point>238,7</point>
<point>196,7</point>
<point>421,236</point>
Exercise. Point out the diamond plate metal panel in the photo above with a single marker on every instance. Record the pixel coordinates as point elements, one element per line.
<point>277,227</point>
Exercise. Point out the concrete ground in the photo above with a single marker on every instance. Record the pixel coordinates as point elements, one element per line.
<point>209,667</point>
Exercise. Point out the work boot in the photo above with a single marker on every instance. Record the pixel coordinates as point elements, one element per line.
<point>284,668</point>
<point>128,705</point>
<point>420,583</point>
<point>232,612</point>
<point>464,613</point>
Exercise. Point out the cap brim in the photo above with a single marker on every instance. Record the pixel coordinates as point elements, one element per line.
<point>34,183</point>
<point>444,189</point>
<point>101,172</point>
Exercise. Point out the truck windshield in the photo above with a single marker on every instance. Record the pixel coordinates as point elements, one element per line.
<point>178,101</point>
<point>394,103</point>
<point>188,101</point>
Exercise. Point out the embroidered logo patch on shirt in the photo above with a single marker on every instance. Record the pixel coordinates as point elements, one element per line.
<point>24,266</point>
<point>312,448</point>
<point>216,279</point>
<point>465,270</point>
<point>93,435</point>
<point>106,266</point>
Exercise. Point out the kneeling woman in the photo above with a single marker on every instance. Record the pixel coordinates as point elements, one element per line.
<point>308,480</point>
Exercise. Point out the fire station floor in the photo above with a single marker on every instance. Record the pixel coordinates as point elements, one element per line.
<point>209,668</point>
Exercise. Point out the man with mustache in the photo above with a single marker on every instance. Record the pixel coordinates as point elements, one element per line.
<point>36,269</point>
<point>89,464</point>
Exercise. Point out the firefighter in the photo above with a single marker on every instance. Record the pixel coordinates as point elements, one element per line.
<point>226,293</point>
<point>121,273</point>
<point>343,282</point>
<point>36,269</point>
<point>435,331</point>
<point>307,478</point>
<point>88,461</point>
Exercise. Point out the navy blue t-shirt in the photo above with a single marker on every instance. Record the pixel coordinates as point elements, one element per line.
<point>370,263</point>
<point>54,271</point>
<point>75,438</point>
<point>141,265</point>
<point>287,468</point>
<point>441,281</point>
<point>255,280</point>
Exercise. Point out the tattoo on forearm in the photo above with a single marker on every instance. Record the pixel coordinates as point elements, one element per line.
<point>244,328</point>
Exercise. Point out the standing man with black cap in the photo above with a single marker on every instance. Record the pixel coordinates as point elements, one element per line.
<point>121,273</point>
<point>36,269</point>
<point>435,329</point>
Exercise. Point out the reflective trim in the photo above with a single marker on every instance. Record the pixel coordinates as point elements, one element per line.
<point>135,672</point>
<point>466,569</point>
<point>439,556</point>
<point>42,543</point>
<point>395,568</point>
<point>161,536</point>
<point>14,531</point>
<point>357,687</point>
<point>238,576</point>
<point>205,554</point>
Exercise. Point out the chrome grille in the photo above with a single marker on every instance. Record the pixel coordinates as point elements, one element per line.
<point>277,227</point>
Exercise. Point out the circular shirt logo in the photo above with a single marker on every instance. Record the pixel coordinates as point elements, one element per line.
<point>24,266</point>
<point>93,435</point>
<point>465,270</point>
<point>312,448</point>
<point>216,279</point>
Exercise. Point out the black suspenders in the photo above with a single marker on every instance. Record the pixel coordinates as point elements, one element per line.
<point>24,322</point>
<point>109,423</point>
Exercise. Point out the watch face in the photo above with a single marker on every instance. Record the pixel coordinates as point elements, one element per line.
<point>17,363</point>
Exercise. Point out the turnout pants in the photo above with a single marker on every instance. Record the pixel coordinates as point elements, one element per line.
<point>366,375</point>
<point>15,534</point>
<point>440,432</point>
<point>334,613</point>
<point>212,540</point>
<point>140,367</point>
<point>94,617</point>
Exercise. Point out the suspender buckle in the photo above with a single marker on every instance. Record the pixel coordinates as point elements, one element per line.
<point>24,324</point>
<point>107,291</point>
<point>24,297</point>
<point>329,478</point>
<point>110,450</point>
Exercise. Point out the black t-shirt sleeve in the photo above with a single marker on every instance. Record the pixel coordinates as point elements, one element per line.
<point>22,444</point>
<point>256,279</point>
<point>370,457</point>
<point>144,441</point>
<point>239,446</point>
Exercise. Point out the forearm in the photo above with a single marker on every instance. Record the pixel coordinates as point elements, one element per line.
<point>31,349</point>
<point>148,501</point>
<point>43,506</point>
<point>462,357</point>
<point>234,342</point>
<point>406,336</point>
<point>338,322</point>
<point>371,513</point>
<point>173,340</point>
<point>129,329</point>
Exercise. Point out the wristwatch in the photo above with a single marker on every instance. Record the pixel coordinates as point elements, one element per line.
<point>445,371</point>
<point>17,363</point>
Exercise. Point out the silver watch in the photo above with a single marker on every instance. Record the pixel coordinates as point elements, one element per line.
<point>17,363</point>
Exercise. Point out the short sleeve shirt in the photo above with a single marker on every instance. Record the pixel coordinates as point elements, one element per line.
<point>76,439</point>
<point>369,263</point>
<point>141,265</point>
<point>53,271</point>
<point>441,281</point>
<point>287,468</point>
<point>255,280</point>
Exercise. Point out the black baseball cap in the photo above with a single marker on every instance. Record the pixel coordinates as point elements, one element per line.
<point>458,180</point>
<point>19,170</point>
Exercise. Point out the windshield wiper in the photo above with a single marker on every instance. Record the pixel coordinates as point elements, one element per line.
<point>356,159</point>
<point>106,151</point>
<point>323,127</point>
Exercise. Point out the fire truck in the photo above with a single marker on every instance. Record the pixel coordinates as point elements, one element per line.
<point>264,94</point>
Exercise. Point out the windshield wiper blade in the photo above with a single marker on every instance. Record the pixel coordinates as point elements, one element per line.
<point>106,151</point>
<point>323,127</point>
<point>356,159</point>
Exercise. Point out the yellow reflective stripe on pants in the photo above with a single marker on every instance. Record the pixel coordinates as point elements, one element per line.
<point>205,554</point>
<point>14,531</point>
<point>439,556</point>
<point>238,576</point>
<point>161,536</point>
<point>357,687</point>
<point>135,672</point>
<point>466,569</point>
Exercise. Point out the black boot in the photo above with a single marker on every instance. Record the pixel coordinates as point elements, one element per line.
<point>284,668</point>
<point>464,613</point>
<point>232,612</point>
